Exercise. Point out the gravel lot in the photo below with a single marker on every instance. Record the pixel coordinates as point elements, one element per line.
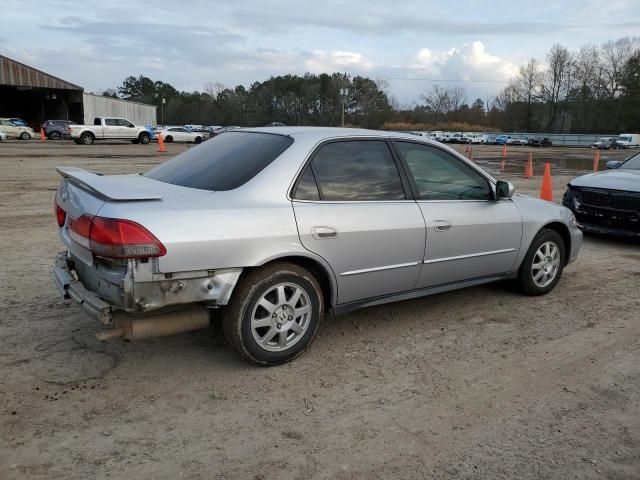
<point>481,383</point>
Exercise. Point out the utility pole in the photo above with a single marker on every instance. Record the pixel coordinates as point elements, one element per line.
<point>343,92</point>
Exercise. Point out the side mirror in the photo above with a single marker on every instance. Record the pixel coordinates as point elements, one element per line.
<point>504,189</point>
<point>613,164</point>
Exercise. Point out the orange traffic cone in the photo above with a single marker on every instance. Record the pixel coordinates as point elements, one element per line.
<point>503,164</point>
<point>596,160</point>
<point>42,137</point>
<point>528,171</point>
<point>470,153</point>
<point>161,143</point>
<point>504,150</point>
<point>466,148</point>
<point>546,191</point>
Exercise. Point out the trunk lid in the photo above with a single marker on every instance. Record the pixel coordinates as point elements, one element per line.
<point>84,192</point>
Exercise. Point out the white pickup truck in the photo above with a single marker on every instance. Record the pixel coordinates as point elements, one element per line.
<point>109,128</point>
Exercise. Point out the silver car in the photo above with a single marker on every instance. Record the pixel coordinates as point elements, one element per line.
<point>273,227</point>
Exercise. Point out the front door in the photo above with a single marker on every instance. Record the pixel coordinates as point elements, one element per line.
<point>469,234</point>
<point>352,209</point>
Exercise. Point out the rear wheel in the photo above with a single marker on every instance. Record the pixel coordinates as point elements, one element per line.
<point>169,139</point>
<point>87,138</point>
<point>144,138</point>
<point>274,314</point>
<point>542,266</point>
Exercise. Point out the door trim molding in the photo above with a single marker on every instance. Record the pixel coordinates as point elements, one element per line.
<point>470,255</point>
<point>378,269</point>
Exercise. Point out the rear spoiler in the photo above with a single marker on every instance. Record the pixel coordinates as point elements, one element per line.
<point>112,187</point>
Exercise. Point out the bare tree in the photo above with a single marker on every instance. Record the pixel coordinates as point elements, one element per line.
<point>213,89</point>
<point>527,87</point>
<point>615,55</point>
<point>457,98</point>
<point>556,81</point>
<point>437,100</point>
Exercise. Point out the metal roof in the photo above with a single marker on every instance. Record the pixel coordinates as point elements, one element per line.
<point>16,74</point>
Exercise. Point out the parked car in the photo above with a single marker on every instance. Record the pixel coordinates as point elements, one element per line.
<point>628,140</point>
<point>57,129</point>
<point>504,139</point>
<point>12,130</point>
<point>299,221</point>
<point>520,141</point>
<point>465,138</point>
<point>109,128</point>
<point>540,142</point>
<point>479,138</point>
<point>601,140</point>
<point>180,134</point>
<point>220,130</point>
<point>608,201</point>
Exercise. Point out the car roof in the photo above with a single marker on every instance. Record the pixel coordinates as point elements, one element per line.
<point>323,133</point>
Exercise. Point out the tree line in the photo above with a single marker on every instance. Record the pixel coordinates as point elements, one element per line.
<point>593,89</point>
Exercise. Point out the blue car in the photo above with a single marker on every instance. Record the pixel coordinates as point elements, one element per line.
<point>502,139</point>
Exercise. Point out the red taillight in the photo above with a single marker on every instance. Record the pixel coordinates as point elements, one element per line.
<point>61,215</point>
<point>115,238</point>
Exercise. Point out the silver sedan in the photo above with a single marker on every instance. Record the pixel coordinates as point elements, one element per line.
<point>270,228</point>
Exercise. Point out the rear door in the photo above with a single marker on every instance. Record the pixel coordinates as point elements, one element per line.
<point>353,208</point>
<point>111,128</point>
<point>469,234</point>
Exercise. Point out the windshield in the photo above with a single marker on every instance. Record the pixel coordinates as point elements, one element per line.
<point>225,162</point>
<point>632,163</point>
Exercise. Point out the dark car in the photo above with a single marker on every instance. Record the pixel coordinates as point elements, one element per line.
<point>608,144</point>
<point>540,142</point>
<point>608,201</point>
<point>57,129</point>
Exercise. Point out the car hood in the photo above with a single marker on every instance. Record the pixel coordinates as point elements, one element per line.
<point>618,179</point>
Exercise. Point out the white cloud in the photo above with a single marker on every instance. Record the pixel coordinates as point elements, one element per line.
<point>336,61</point>
<point>469,61</point>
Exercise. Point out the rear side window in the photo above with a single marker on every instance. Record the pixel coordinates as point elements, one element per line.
<point>223,163</point>
<point>359,170</point>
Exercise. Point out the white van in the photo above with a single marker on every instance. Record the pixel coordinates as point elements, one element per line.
<point>628,140</point>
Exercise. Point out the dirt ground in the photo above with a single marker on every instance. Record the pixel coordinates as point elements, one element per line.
<point>481,383</point>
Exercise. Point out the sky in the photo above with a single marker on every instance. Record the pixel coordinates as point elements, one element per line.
<point>478,45</point>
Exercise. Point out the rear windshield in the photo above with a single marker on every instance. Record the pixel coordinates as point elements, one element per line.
<point>225,162</point>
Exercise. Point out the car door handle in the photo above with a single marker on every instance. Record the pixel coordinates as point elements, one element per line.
<point>321,233</point>
<point>442,226</point>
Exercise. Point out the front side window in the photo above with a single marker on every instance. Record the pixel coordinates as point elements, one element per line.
<point>359,170</point>
<point>223,163</point>
<point>111,122</point>
<point>441,176</point>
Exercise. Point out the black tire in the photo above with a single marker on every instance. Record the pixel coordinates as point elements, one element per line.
<point>55,135</point>
<point>25,136</point>
<point>144,138</point>
<point>237,316</point>
<point>198,140</point>
<point>169,139</point>
<point>87,138</point>
<point>526,282</point>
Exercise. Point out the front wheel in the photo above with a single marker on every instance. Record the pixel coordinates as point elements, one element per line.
<point>25,136</point>
<point>198,140</point>
<point>144,138</point>
<point>274,313</point>
<point>54,135</point>
<point>542,266</point>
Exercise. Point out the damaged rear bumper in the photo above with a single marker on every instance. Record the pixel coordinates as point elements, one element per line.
<point>137,289</point>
